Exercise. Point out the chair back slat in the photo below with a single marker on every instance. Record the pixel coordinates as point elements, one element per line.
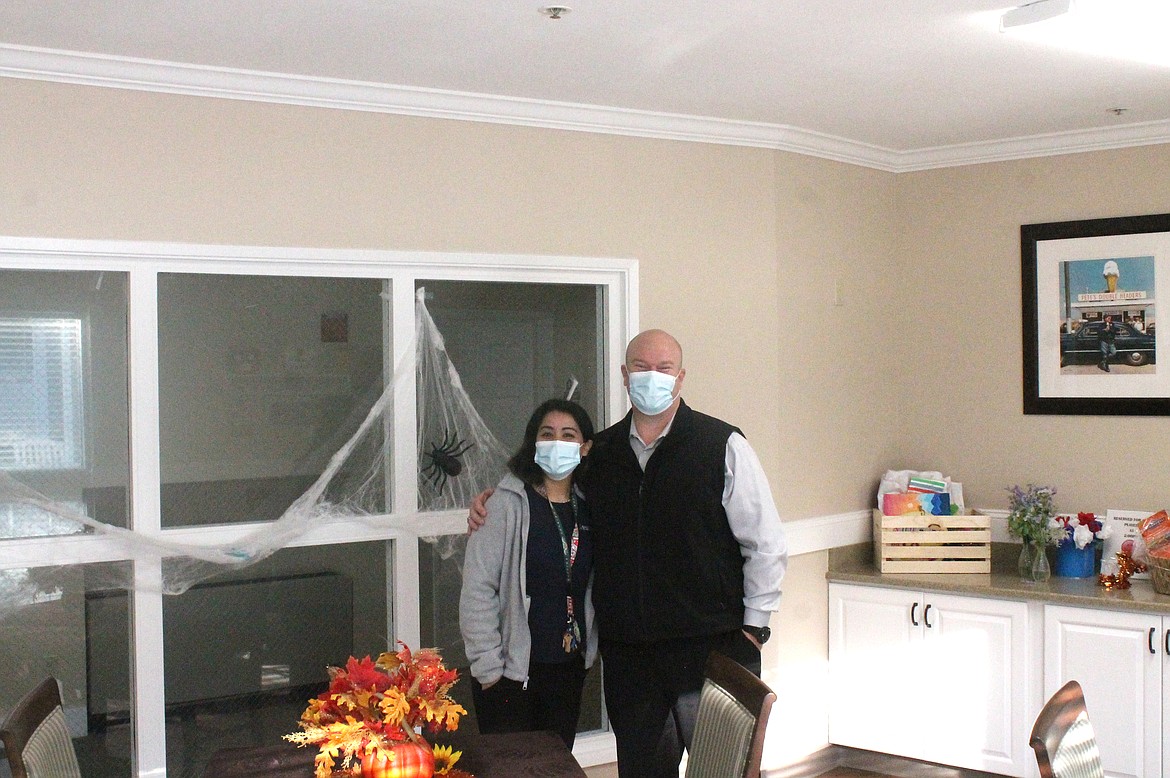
<point>729,731</point>
<point>36,738</point>
<point>49,752</point>
<point>1063,737</point>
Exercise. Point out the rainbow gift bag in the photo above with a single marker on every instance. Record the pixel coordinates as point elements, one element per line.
<point>930,503</point>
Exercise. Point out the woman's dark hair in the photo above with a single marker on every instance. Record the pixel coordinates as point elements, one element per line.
<point>523,463</point>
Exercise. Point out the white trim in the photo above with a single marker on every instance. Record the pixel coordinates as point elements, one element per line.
<point>821,533</point>
<point>405,616</point>
<point>594,748</point>
<point>999,530</point>
<point>1028,147</point>
<point>73,67</point>
<point>146,665</point>
<point>805,536</point>
<point>34,253</point>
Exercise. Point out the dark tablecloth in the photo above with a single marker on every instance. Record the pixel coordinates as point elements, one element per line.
<point>514,755</point>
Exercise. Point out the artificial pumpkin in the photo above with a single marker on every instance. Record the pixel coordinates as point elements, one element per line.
<point>410,761</point>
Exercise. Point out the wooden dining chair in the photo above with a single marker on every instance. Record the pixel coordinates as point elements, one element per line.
<point>1063,738</point>
<point>733,716</point>
<point>36,738</point>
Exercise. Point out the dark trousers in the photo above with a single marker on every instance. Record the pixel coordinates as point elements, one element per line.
<point>552,701</point>
<point>652,697</point>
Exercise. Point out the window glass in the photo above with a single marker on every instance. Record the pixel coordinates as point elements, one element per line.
<point>244,653</point>
<point>64,427</point>
<point>47,617</point>
<point>514,346</point>
<point>42,407</point>
<point>261,380</point>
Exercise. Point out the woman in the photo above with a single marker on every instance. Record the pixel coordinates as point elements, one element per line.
<point>525,611</point>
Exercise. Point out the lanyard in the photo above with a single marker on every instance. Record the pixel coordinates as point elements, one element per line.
<point>572,639</point>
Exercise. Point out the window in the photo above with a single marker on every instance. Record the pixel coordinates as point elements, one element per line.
<point>224,379</point>
<point>42,422</point>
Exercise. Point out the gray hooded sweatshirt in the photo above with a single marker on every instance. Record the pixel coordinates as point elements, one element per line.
<point>493,606</point>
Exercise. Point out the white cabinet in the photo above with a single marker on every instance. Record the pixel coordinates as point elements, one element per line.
<point>939,677</point>
<point>1122,661</point>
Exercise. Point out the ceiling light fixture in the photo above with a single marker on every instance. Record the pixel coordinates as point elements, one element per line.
<point>1030,13</point>
<point>555,11</point>
<point>1131,30</point>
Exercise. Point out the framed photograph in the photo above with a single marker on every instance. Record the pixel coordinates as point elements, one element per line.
<point>1089,292</point>
<point>1125,537</point>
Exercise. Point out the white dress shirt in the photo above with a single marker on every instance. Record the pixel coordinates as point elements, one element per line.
<point>754,521</point>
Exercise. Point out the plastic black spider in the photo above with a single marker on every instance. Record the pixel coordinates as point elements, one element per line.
<point>445,460</point>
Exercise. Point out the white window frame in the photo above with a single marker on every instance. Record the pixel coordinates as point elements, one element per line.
<point>143,262</point>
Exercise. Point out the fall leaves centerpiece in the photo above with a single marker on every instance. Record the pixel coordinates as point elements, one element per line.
<point>368,719</point>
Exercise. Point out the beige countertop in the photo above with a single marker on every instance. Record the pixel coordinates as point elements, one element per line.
<point>854,564</point>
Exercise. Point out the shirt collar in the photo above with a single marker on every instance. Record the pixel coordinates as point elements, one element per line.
<point>636,441</point>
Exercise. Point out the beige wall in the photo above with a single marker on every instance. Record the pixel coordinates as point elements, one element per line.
<point>958,252</point>
<point>849,320</point>
<point>717,241</point>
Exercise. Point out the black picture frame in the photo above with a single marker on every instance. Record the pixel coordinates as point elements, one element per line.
<point>1048,251</point>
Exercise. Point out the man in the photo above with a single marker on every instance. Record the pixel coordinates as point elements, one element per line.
<point>1106,340</point>
<point>688,558</point>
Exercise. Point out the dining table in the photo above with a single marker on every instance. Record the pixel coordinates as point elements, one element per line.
<point>505,755</point>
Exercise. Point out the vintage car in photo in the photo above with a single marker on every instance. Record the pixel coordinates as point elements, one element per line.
<point>1082,347</point>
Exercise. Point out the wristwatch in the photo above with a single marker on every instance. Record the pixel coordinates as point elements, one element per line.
<point>761,634</point>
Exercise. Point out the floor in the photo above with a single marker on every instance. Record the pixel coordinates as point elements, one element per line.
<point>854,763</point>
<point>858,764</point>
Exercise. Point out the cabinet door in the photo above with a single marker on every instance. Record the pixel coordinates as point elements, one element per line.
<point>1166,693</point>
<point>877,696</point>
<point>977,667</point>
<point>1109,654</point>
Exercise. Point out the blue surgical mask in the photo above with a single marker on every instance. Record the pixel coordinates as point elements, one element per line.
<point>651,392</point>
<point>558,458</point>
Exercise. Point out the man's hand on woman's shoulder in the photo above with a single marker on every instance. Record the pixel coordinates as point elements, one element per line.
<point>477,513</point>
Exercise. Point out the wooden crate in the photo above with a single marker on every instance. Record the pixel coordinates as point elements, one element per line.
<point>931,544</point>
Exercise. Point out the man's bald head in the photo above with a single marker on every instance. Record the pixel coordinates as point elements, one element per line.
<point>654,350</point>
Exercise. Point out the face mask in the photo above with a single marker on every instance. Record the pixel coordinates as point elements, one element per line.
<point>558,458</point>
<point>651,392</point>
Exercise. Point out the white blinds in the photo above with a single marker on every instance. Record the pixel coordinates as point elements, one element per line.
<point>41,399</point>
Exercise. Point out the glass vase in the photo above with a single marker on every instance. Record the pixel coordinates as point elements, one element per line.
<point>1034,563</point>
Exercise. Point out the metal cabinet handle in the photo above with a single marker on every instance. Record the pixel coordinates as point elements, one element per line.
<point>1168,642</point>
<point>926,617</point>
<point>1152,631</point>
<point>913,618</point>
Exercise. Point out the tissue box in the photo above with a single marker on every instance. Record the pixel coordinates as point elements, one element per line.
<point>916,543</point>
<point>895,504</point>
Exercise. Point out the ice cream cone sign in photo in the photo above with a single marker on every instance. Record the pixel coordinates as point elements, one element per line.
<point>1110,273</point>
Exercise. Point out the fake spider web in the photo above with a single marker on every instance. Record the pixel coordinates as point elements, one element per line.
<point>458,456</point>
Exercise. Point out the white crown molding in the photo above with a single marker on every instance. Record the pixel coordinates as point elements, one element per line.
<point>1072,142</point>
<point>72,67</point>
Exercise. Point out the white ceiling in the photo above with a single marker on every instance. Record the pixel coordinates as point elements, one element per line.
<point>893,84</point>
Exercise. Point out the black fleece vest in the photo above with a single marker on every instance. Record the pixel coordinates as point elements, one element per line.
<point>666,564</point>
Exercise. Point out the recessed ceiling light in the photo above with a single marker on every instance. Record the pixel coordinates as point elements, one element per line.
<point>555,11</point>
